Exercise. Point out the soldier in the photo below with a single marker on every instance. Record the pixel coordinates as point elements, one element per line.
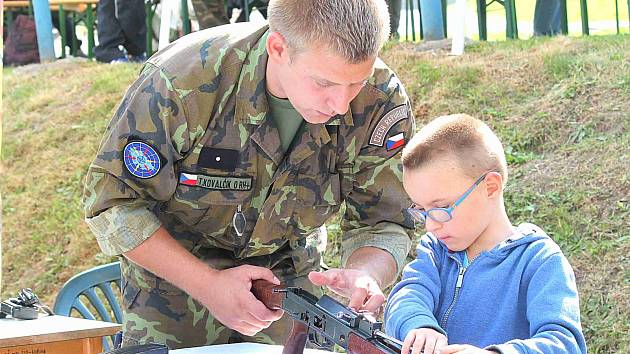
<point>394,7</point>
<point>210,13</point>
<point>227,156</point>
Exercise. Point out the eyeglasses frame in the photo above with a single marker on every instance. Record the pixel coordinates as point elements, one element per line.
<point>421,216</point>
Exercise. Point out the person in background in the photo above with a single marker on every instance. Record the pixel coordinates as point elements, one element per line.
<point>70,34</point>
<point>122,30</point>
<point>547,18</point>
<point>478,282</point>
<point>210,13</point>
<point>394,7</point>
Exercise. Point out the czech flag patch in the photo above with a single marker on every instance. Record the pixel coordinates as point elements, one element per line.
<point>188,179</point>
<point>395,141</point>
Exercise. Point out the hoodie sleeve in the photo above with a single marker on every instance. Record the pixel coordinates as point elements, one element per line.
<point>553,311</point>
<point>412,301</point>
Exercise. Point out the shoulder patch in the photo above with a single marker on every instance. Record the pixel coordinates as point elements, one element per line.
<point>141,159</point>
<point>386,123</point>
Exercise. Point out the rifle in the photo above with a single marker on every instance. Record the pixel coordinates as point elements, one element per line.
<point>324,317</point>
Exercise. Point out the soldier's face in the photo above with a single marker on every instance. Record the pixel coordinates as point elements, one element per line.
<point>319,84</point>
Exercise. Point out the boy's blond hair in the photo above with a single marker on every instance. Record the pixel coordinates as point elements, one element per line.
<point>353,29</point>
<point>472,144</point>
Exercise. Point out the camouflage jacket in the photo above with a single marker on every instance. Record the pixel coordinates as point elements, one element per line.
<point>200,109</point>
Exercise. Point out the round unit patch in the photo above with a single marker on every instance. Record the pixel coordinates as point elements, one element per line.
<point>141,160</point>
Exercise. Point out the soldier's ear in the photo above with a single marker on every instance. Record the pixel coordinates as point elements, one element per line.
<point>277,47</point>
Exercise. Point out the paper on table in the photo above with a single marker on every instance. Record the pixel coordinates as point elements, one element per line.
<point>241,348</point>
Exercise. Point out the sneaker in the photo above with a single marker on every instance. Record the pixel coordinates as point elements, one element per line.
<point>138,58</point>
<point>119,60</point>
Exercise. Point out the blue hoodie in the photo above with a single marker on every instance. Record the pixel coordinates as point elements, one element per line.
<point>519,297</point>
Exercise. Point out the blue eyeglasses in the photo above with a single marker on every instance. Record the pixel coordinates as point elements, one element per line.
<point>441,214</point>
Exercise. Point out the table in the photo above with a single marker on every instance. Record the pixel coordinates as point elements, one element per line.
<point>54,335</point>
<point>241,348</point>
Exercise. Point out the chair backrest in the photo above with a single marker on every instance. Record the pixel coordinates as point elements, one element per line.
<point>84,286</point>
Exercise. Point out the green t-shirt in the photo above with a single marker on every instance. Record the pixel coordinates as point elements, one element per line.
<point>286,119</point>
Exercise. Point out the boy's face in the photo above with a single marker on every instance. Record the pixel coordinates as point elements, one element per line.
<point>438,185</point>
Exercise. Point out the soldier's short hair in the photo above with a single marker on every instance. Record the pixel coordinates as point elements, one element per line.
<point>353,29</point>
<point>467,140</point>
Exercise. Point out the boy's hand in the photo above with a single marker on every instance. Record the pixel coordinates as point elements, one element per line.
<point>464,349</point>
<point>424,340</point>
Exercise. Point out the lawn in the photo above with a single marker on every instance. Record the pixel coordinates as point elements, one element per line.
<point>601,15</point>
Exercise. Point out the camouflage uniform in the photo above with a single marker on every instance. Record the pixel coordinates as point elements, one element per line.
<point>201,100</point>
<point>210,13</point>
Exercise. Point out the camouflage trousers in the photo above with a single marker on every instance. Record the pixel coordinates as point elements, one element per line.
<point>210,13</point>
<point>156,311</point>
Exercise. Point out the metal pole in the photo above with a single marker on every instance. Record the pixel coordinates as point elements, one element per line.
<point>459,32</point>
<point>246,9</point>
<point>444,12</point>
<point>90,32</point>
<point>413,22</point>
<point>165,24</point>
<point>62,29</point>
<point>185,19</point>
<point>43,27</point>
<point>617,14</point>
<point>9,18</point>
<point>149,20</point>
<point>584,12</point>
<point>564,23</point>
<point>75,40</point>
<point>420,18</point>
<point>407,20</point>
<point>481,20</point>
<point>514,19</point>
<point>432,20</point>
<point>509,27</point>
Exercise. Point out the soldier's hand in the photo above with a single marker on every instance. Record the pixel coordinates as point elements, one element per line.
<point>363,291</point>
<point>231,302</point>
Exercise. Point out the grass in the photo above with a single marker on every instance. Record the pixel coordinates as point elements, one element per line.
<point>601,15</point>
<point>559,105</point>
<point>49,135</point>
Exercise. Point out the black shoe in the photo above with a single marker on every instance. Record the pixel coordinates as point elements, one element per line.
<point>80,54</point>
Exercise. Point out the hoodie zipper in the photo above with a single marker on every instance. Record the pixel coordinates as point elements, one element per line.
<point>460,280</point>
<point>458,285</point>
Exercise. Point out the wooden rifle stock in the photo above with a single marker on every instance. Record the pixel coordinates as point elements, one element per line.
<point>297,339</point>
<point>358,345</point>
<point>264,291</point>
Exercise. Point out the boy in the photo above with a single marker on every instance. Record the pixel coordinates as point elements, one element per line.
<point>477,279</point>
